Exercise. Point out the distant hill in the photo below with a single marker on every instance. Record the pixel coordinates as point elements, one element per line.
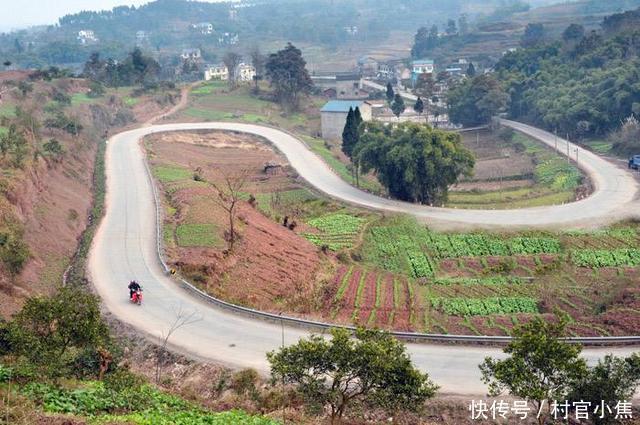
<point>167,26</point>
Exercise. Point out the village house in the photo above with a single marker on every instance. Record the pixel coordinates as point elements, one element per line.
<point>142,37</point>
<point>216,72</point>
<point>421,66</point>
<point>228,39</point>
<point>368,66</point>
<point>191,54</point>
<point>87,37</point>
<point>205,28</point>
<point>333,116</point>
<point>244,72</point>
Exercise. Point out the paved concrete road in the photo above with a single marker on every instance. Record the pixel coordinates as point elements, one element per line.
<point>125,248</point>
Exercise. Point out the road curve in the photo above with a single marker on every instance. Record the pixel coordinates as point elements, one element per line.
<point>124,248</point>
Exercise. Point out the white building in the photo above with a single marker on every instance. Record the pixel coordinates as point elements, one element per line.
<point>216,72</point>
<point>244,72</point>
<point>191,54</point>
<point>87,37</point>
<point>205,28</point>
<point>142,37</point>
<point>228,38</point>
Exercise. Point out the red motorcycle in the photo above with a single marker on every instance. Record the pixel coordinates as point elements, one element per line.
<point>136,298</point>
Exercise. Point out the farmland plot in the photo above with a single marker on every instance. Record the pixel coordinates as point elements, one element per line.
<point>336,231</point>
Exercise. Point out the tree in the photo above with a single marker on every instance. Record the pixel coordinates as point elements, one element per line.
<point>425,85</point>
<point>612,380</point>
<point>533,35</point>
<point>181,319</point>
<point>54,148</point>
<point>373,368</point>
<point>228,195</point>
<point>626,139</point>
<point>463,24</point>
<point>398,106</point>
<point>349,134</point>
<point>573,33</point>
<point>51,333</point>
<point>231,61</point>
<point>257,60</point>
<point>287,73</point>
<point>419,106</point>
<point>540,367</point>
<point>475,101</point>
<point>412,161</point>
<point>451,27</point>
<point>471,70</point>
<point>390,93</point>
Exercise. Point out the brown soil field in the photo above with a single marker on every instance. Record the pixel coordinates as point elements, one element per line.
<point>270,267</point>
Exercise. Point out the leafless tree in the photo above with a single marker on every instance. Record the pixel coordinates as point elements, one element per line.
<point>228,196</point>
<point>182,318</point>
<point>257,60</point>
<point>231,61</point>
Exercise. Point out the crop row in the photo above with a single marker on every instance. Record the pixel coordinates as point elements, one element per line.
<point>337,231</point>
<point>484,306</point>
<point>475,244</point>
<point>396,251</point>
<point>606,258</point>
<point>489,281</point>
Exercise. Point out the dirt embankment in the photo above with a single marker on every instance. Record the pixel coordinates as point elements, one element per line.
<point>270,267</point>
<point>48,198</point>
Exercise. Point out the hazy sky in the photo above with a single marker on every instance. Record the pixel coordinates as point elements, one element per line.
<point>22,13</point>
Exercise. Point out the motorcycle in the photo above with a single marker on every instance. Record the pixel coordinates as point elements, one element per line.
<point>136,298</point>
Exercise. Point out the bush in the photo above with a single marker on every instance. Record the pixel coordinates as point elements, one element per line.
<point>506,134</point>
<point>244,382</point>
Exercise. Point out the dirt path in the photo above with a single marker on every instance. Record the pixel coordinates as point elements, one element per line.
<point>184,99</point>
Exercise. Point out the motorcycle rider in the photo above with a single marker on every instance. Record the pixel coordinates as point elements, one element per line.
<point>133,288</point>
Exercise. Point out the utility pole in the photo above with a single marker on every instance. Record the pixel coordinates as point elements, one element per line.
<point>568,154</point>
<point>555,137</point>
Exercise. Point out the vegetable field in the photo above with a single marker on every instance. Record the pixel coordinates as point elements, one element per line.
<point>478,244</point>
<point>484,306</point>
<point>336,231</point>
<point>606,258</point>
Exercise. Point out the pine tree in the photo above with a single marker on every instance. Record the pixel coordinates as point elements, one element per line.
<point>419,106</point>
<point>471,70</point>
<point>390,93</point>
<point>348,134</point>
<point>398,106</point>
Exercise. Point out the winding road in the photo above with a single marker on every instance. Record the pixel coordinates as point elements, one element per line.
<point>125,248</point>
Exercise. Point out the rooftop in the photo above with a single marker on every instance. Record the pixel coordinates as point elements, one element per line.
<point>423,62</point>
<point>341,105</point>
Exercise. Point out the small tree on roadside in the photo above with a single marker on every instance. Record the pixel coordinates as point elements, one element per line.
<point>231,61</point>
<point>398,106</point>
<point>612,380</point>
<point>181,319</point>
<point>229,193</point>
<point>419,106</point>
<point>540,367</point>
<point>373,368</point>
<point>51,333</point>
<point>390,93</point>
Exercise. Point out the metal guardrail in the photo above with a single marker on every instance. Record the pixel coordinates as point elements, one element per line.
<point>322,326</point>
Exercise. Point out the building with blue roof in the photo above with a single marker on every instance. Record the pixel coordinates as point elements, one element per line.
<point>333,116</point>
